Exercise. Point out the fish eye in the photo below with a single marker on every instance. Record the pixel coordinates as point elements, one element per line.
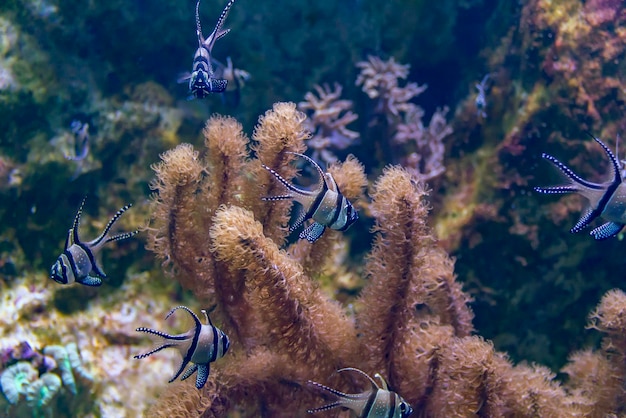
<point>405,409</point>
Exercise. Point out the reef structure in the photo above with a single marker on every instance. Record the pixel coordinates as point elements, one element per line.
<point>411,322</point>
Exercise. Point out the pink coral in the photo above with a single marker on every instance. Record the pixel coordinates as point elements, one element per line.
<point>328,120</point>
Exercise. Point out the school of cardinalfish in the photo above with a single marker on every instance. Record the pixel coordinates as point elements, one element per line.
<point>327,208</point>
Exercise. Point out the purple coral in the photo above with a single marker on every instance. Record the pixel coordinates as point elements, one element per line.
<point>328,117</point>
<point>423,148</point>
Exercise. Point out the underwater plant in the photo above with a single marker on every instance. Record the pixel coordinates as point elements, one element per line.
<point>411,322</point>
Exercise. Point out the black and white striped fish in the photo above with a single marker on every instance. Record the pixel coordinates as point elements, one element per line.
<point>202,79</point>
<point>78,262</point>
<point>606,200</point>
<point>325,204</point>
<point>201,345</point>
<point>375,402</point>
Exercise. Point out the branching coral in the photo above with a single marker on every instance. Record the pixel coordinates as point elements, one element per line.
<point>412,322</point>
<point>380,80</point>
<point>328,120</point>
<point>403,119</point>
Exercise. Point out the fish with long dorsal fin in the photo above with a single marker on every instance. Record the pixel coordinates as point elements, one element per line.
<point>78,262</point>
<point>606,200</point>
<point>202,80</point>
<point>376,402</point>
<point>201,345</point>
<point>325,204</point>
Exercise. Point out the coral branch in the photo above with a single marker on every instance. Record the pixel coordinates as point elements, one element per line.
<point>279,130</point>
<point>411,280</point>
<point>296,318</point>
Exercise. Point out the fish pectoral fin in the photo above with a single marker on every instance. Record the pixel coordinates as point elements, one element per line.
<point>313,232</point>
<point>607,230</point>
<point>183,77</point>
<point>217,85</point>
<point>203,375</point>
<point>91,281</point>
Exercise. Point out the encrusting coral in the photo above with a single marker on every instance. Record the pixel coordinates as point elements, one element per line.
<point>412,322</point>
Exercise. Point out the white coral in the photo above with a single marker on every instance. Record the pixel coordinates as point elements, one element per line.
<point>16,379</point>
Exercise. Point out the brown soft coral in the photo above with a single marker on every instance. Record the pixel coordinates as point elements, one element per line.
<point>412,322</point>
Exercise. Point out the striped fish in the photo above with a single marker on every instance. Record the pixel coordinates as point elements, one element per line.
<point>202,80</point>
<point>325,204</point>
<point>606,200</point>
<point>201,345</point>
<point>78,262</point>
<point>373,403</point>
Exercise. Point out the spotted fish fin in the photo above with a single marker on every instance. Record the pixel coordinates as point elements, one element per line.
<point>573,183</point>
<point>189,372</point>
<point>72,236</point>
<point>217,85</point>
<point>302,217</point>
<point>313,232</point>
<point>122,236</point>
<point>203,375</point>
<point>607,230</point>
<point>588,216</point>
<point>91,281</point>
<point>325,407</point>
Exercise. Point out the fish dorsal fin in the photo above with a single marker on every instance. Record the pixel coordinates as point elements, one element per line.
<point>195,318</point>
<point>73,233</point>
<point>372,381</point>
<point>218,32</point>
<point>382,380</point>
<point>198,25</point>
<point>322,176</point>
<point>617,176</point>
<point>331,184</point>
<point>206,315</point>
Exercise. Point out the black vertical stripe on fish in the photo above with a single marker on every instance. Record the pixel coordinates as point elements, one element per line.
<point>200,59</point>
<point>192,348</point>
<point>64,272</point>
<point>73,266</point>
<point>224,345</point>
<point>214,345</point>
<point>392,407</point>
<point>92,258</point>
<point>370,402</point>
<point>317,201</point>
<point>338,209</point>
<point>348,216</point>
